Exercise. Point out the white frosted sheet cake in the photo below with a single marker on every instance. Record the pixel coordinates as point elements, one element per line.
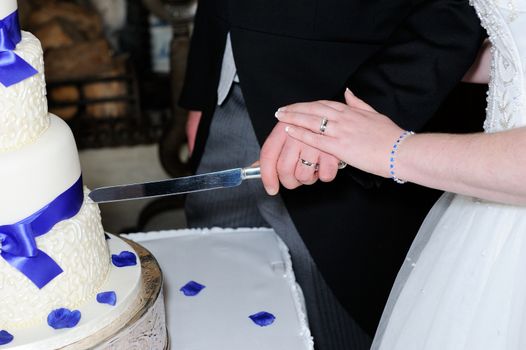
<point>244,272</point>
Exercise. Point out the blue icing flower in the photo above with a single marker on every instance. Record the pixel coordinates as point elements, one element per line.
<point>263,318</point>
<point>5,337</point>
<point>125,258</point>
<point>192,288</point>
<point>63,318</point>
<point>109,298</point>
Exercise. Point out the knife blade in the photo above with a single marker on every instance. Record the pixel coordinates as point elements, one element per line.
<point>179,185</point>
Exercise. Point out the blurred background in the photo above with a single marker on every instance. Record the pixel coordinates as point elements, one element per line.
<point>113,71</point>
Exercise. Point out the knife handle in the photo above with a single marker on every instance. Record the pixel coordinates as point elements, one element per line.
<point>251,173</point>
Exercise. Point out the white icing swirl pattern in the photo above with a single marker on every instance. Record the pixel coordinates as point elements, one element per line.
<point>23,106</point>
<point>79,247</point>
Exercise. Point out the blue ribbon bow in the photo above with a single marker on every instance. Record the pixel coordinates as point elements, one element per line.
<point>19,247</point>
<point>13,69</point>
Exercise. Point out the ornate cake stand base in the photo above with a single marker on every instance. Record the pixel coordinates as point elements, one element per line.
<point>143,326</point>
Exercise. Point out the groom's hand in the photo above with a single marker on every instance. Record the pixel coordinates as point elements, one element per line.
<point>192,124</point>
<point>286,160</point>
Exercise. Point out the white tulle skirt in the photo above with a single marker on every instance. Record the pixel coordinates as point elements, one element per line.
<point>463,284</point>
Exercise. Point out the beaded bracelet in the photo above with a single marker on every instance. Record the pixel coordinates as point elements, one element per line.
<point>392,156</point>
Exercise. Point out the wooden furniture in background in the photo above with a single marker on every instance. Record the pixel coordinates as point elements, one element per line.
<point>91,85</point>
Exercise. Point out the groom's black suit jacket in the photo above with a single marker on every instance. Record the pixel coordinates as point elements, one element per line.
<point>401,56</point>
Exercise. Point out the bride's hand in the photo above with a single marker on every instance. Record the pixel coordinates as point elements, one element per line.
<point>354,132</point>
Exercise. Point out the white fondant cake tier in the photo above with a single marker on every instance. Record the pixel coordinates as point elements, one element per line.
<point>124,281</point>
<point>34,175</point>
<point>23,106</point>
<point>7,7</point>
<point>79,247</point>
<point>244,271</point>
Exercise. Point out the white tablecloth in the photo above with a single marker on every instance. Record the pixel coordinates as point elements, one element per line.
<point>244,272</point>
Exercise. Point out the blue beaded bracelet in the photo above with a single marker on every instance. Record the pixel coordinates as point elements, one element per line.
<point>392,156</point>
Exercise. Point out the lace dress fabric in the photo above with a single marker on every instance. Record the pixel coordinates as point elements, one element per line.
<point>462,285</point>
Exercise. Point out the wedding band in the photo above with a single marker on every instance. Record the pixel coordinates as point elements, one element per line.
<point>323,125</point>
<point>310,164</point>
<point>341,164</point>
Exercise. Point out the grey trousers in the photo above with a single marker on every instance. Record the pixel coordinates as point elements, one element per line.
<point>232,143</point>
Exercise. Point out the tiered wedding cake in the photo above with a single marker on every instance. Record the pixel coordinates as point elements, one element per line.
<point>61,278</point>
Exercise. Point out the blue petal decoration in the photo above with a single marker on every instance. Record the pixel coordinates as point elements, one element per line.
<point>63,318</point>
<point>109,298</point>
<point>263,318</point>
<point>192,288</point>
<point>5,337</point>
<point>125,258</point>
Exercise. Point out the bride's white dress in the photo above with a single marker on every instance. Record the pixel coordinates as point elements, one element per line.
<point>463,284</point>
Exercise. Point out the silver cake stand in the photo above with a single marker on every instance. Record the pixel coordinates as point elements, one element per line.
<point>143,325</point>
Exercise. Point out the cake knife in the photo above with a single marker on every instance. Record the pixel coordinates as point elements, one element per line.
<point>179,185</point>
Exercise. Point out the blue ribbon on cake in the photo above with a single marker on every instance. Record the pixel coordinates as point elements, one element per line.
<point>19,246</point>
<point>13,69</point>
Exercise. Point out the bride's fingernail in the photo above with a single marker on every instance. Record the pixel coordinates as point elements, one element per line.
<point>347,90</point>
<point>289,130</point>
<point>277,114</point>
